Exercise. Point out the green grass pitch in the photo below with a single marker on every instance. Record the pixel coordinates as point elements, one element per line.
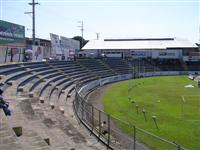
<point>176,108</point>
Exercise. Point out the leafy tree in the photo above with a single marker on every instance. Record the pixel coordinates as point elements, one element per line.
<point>81,40</point>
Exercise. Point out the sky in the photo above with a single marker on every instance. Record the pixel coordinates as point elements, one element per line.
<point>109,18</point>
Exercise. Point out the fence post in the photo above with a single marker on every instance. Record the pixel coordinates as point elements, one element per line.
<point>108,130</point>
<point>92,118</point>
<point>99,124</point>
<point>82,111</point>
<point>134,136</point>
<point>179,147</point>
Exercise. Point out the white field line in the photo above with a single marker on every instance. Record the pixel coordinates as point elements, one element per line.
<point>184,100</point>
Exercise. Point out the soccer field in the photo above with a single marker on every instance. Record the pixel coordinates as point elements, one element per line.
<point>177,109</point>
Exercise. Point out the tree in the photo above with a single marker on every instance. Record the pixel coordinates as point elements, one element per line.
<point>81,40</point>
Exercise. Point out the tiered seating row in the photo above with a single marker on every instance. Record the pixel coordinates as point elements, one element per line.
<point>118,65</point>
<point>49,80</point>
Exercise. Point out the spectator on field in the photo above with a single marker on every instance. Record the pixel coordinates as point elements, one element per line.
<point>4,105</point>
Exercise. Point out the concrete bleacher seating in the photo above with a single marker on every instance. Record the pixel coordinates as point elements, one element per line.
<point>39,87</point>
<point>118,65</point>
<point>193,66</point>
<point>97,67</point>
<point>40,75</point>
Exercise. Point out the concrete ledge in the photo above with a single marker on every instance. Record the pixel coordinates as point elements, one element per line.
<point>32,72</point>
<point>57,87</point>
<point>52,84</point>
<point>52,105</point>
<point>62,110</point>
<point>22,66</point>
<point>20,89</point>
<point>63,91</point>
<point>45,80</point>
<point>18,131</point>
<point>47,140</point>
<point>41,100</point>
<point>39,76</point>
<point>2,77</point>
<point>10,82</point>
<point>31,94</point>
<point>68,95</point>
<point>27,69</point>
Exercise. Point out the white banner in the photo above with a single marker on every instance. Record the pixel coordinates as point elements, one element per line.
<point>69,46</point>
<point>55,42</point>
<point>38,53</point>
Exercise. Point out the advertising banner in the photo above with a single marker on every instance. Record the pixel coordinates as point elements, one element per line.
<point>65,42</point>
<point>55,42</point>
<point>194,56</point>
<point>167,54</point>
<point>12,35</point>
<point>69,46</point>
<point>138,54</point>
<point>37,53</point>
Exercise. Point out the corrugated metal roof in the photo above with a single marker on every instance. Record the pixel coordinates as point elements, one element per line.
<point>139,44</point>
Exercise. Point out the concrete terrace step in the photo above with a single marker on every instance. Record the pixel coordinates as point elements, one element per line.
<point>31,140</point>
<point>8,139</point>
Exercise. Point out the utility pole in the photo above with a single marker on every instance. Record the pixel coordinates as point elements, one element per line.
<point>33,19</point>
<point>82,29</point>
<point>199,36</point>
<point>97,35</point>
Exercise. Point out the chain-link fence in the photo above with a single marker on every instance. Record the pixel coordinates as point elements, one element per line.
<point>108,129</point>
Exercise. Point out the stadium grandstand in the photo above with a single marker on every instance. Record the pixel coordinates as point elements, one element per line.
<point>47,98</point>
<point>161,48</point>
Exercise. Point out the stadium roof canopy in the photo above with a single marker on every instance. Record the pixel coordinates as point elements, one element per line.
<point>145,43</point>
